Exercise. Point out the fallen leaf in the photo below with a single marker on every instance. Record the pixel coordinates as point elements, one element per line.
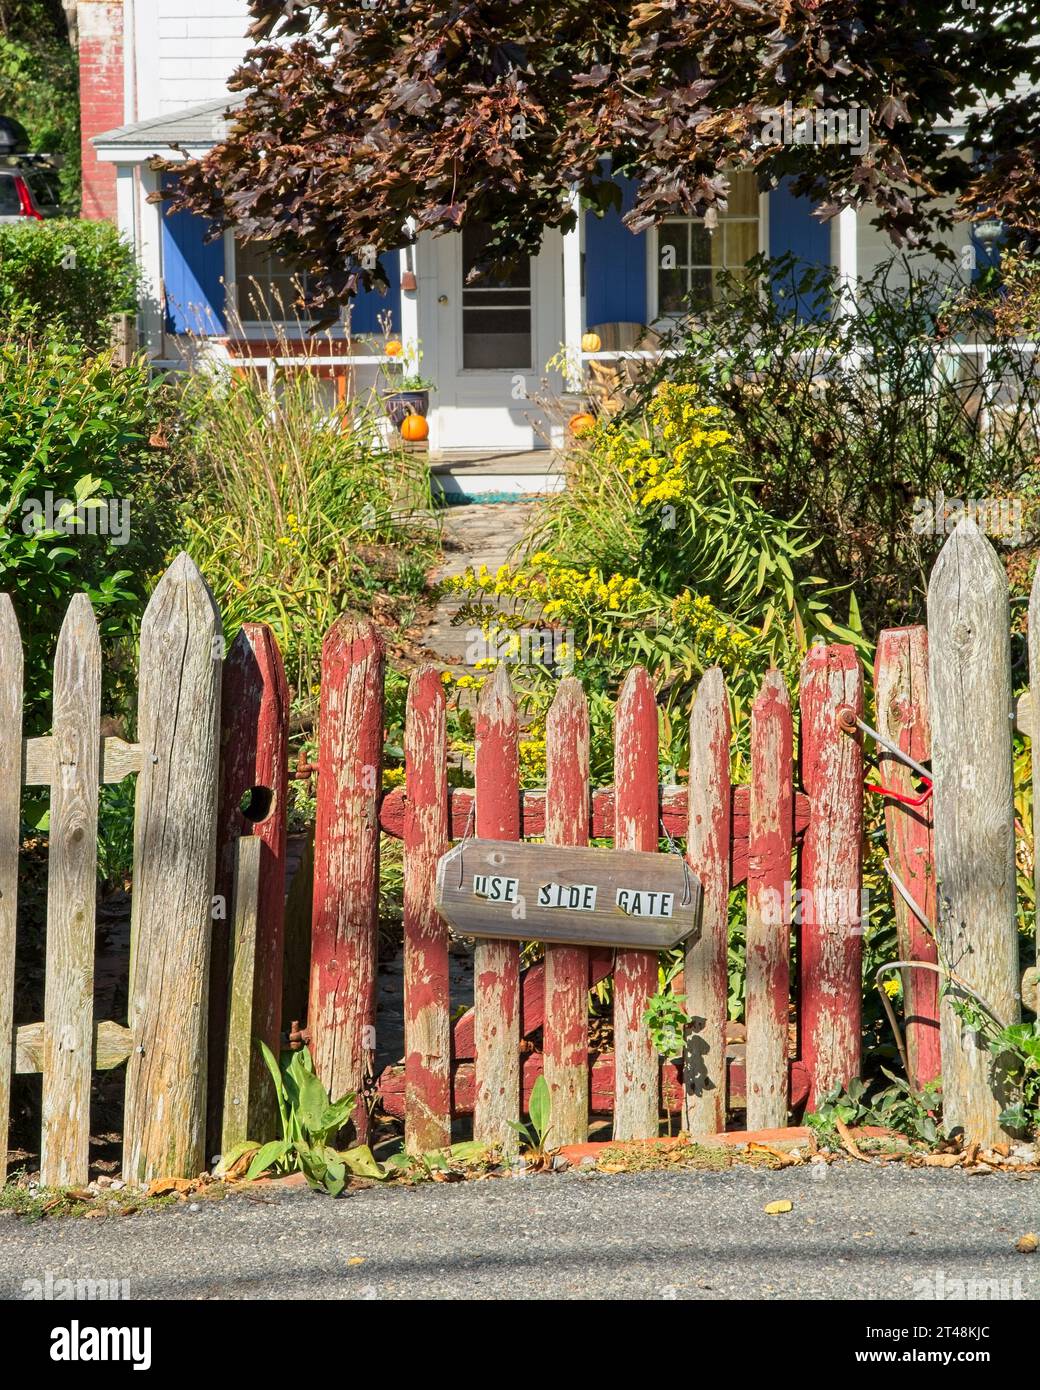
<point>162,1187</point>
<point>777,1208</point>
<point>356,1260</point>
<point>1027,1244</point>
<point>848,1141</point>
<point>786,1160</point>
<point>942,1160</point>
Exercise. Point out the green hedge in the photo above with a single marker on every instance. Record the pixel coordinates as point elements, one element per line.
<point>82,507</point>
<point>66,276</point>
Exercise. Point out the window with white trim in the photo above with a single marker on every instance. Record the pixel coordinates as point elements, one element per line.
<point>690,259</point>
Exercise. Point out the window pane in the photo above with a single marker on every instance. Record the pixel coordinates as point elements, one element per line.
<point>673,243</point>
<point>700,288</point>
<point>266,290</point>
<point>702,241</point>
<point>10,206</point>
<point>496,340</point>
<point>671,291</point>
<point>474,239</point>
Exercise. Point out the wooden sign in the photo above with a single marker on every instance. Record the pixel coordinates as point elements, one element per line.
<point>573,897</point>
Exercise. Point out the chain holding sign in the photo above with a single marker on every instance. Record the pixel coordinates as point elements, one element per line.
<point>572,897</point>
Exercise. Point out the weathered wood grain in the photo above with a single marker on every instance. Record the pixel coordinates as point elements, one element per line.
<point>636,790</point>
<point>566,1030</point>
<point>830,934</point>
<point>496,964</point>
<point>901,696</point>
<point>239,1076</point>
<point>11,676</point>
<point>970,687</point>
<point>427,1004</point>
<point>341,1009</point>
<point>706,977</point>
<point>632,902</point>
<point>111,1045</point>
<point>254,768</point>
<point>769,893</point>
<point>118,760</point>
<point>174,853</point>
<point>71,900</point>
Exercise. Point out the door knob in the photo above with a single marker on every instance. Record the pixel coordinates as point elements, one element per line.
<point>442,299</point>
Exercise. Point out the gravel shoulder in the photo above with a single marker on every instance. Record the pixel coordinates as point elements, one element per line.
<point>855,1233</point>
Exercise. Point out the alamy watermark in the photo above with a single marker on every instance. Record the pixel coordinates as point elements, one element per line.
<point>64,516</point>
<point>60,1289</point>
<point>1005,518</point>
<point>815,125</point>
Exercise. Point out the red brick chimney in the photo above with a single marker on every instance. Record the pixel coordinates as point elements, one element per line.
<point>100,97</point>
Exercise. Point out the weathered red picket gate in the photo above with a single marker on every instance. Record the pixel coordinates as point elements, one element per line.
<point>486,1064</point>
<point>210,934</point>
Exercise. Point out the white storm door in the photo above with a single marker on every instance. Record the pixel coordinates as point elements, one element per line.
<point>494,338</point>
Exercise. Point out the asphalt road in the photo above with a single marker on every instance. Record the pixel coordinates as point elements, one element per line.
<point>858,1232</point>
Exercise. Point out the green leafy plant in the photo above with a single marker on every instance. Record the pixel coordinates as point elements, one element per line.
<point>67,278</point>
<point>1016,1061</point>
<point>539,1112</point>
<point>917,1115</point>
<point>75,430</point>
<point>295,512</point>
<point>666,1022</point>
<point>310,1122</point>
<point>435,1163</point>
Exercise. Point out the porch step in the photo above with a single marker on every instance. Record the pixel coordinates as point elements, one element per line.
<point>495,476</point>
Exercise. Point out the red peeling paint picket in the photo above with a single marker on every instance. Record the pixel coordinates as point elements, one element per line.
<point>830,936</point>
<point>345,914</point>
<point>427,1020</point>
<point>496,964</point>
<point>637,812</point>
<point>566,1029</point>
<point>901,692</point>
<point>252,800</point>
<point>770,841</point>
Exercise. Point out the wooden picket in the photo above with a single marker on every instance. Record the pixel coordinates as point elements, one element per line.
<point>341,1010</point>
<point>427,1023</point>
<point>706,974</point>
<point>901,698</point>
<point>830,939</point>
<point>209,882</point>
<point>496,964</point>
<point>254,773</point>
<point>770,843</point>
<point>71,898</point>
<point>566,1027</point>
<point>11,676</point>
<point>970,689</point>
<point>178,724</point>
<point>637,815</point>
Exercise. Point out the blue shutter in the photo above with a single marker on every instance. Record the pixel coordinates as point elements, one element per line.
<point>370,303</point>
<point>795,232</point>
<point>193,271</point>
<point>615,266</point>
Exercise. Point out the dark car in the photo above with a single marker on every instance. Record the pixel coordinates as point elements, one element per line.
<point>28,184</point>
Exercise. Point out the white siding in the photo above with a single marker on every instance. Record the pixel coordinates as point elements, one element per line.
<point>185,51</point>
<point>875,247</point>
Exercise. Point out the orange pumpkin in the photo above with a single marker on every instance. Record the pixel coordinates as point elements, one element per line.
<point>415,428</point>
<point>591,342</point>
<point>582,424</point>
<point>394,348</point>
